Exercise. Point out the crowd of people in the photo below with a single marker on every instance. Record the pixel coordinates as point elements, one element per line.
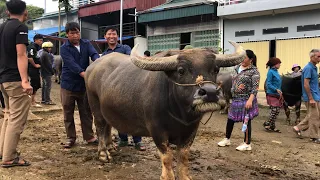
<point>19,93</point>
<point>244,107</point>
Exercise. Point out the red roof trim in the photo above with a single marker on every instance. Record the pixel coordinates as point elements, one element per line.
<point>104,7</point>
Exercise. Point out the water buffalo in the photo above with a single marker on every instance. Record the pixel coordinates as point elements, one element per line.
<point>162,97</point>
<point>292,91</point>
<point>57,67</point>
<point>224,79</point>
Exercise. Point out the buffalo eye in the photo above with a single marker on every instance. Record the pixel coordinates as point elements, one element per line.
<point>181,71</point>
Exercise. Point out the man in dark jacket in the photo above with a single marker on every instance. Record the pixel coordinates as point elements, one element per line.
<point>34,66</point>
<point>46,72</point>
<point>75,54</point>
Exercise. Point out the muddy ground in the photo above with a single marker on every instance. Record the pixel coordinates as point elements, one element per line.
<point>274,155</point>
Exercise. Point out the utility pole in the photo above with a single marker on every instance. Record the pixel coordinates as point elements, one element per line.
<point>121,20</point>
<point>59,25</point>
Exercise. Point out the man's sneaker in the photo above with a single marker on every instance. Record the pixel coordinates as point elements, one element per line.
<point>224,142</point>
<point>123,143</point>
<point>244,147</point>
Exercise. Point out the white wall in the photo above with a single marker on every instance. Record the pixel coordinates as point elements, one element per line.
<point>51,6</point>
<point>53,21</point>
<point>290,20</point>
<point>143,44</point>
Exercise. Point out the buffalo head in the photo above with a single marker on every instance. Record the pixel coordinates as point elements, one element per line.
<point>193,73</point>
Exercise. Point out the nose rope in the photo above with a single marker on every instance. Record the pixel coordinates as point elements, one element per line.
<point>199,82</point>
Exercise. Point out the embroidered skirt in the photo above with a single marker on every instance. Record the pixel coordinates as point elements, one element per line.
<point>238,111</point>
<point>274,100</point>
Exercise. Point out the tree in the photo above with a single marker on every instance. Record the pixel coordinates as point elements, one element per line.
<point>34,12</point>
<point>66,5</point>
<point>3,8</point>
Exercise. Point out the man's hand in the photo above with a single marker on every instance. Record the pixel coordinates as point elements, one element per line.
<point>82,74</point>
<point>37,66</point>
<point>27,88</point>
<point>312,103</point>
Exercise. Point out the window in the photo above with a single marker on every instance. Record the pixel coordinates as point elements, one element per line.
<point>312,27</point>
<point>244,33</point>
<point>275,30</point>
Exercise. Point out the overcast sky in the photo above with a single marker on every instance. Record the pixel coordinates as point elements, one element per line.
<point>39,3</point>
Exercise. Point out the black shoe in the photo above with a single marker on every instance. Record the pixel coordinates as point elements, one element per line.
<point>315,140</point>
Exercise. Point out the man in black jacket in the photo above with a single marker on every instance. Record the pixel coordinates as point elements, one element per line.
<point>34,66</point>
<point>47,72</point>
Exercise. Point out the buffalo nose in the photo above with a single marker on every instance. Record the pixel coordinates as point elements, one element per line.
<point>207,92</point>
<point>202,92</point>
<point>208,89</point>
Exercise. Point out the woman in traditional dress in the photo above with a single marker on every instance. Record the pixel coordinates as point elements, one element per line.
<point>244,106</point>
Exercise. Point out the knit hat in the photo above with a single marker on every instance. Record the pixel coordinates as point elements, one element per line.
<point>294,66</point>
<point>273,61</point>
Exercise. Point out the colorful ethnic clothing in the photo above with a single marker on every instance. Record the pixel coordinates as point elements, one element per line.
<point>244,83</point>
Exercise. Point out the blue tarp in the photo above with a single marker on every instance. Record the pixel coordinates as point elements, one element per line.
<point>46,31</point>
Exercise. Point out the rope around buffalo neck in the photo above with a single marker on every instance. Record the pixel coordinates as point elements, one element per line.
<point>199,82</point>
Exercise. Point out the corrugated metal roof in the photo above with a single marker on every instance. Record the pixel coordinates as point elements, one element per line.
<point>178,3</point>
<point>184,9</point>
<point>104,7</point>
<point>147,4</point>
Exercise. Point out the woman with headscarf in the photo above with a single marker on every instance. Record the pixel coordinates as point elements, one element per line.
<point>274,93</point>
<point>244,106</point>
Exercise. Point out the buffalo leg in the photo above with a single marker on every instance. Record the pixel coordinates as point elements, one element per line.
<point>297,109</point>
<point>103,129</point>
<point>183,163</point>
<point>287,111</point>
<point>166,156</point>
<point>183,158</point>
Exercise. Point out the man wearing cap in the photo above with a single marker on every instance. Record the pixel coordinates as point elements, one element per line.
<point>46,72</point>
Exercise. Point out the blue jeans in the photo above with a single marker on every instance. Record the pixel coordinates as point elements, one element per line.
<point>46,88</point>
<point>124,137</point>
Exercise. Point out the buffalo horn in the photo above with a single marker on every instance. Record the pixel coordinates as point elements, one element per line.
<point>228,60</point>
<point>153,63</point>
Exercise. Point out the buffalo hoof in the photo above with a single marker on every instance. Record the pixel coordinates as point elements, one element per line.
<point>297,121</point>
<point>105,157</point>
<point>166,178</point>
<point>185,178</point>
<point>112,148</point>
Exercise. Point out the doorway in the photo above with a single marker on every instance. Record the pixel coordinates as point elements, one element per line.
<point>272,51</point>
<point>185,40</point>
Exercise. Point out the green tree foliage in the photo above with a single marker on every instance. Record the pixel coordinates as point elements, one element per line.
<point>63,35</point>
<point>3,9</point>
<point>65,4</point>
<point>33,11</point>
